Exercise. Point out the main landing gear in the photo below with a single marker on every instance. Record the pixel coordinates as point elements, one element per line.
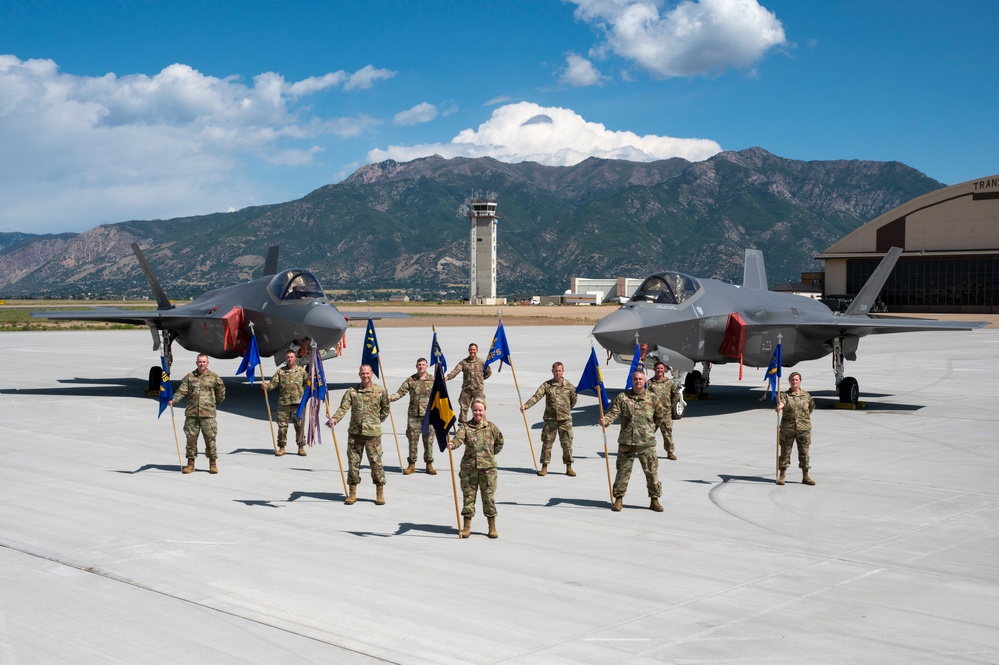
<point>849,389</point>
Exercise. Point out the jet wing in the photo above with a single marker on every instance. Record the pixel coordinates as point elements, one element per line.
<point>137,317</point>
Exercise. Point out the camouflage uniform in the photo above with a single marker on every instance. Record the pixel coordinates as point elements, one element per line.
<point>669,394</point>
<point>640,416</point>
<point>478,465</point>
<point>369,407</point>
<point>795,424</point>
<point>474,374</point>
<point>419,395</point>
<point>560,397</point>
<point>203,392</point>
<point>292,384</point>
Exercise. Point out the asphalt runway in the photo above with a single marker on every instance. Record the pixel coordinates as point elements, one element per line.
<point>108,554</point>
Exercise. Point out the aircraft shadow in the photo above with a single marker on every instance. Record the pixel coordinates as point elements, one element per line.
<point>81,387</point>
<point>257,502</point>
<point>727,400</point>
<point>725,478</point>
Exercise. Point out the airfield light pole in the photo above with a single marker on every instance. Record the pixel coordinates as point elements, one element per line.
<point>482,219</point>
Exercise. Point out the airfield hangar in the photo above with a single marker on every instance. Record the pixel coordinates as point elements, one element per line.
<point>950,259</point>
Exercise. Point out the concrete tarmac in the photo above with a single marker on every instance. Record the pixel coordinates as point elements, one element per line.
<point>108,554</point>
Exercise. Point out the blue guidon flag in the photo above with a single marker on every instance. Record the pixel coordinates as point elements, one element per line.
<point>440,415</point>
<point>499,350</point>
<point>251,358</point>
<point>773,372</point>
<point>593,380</point>
<point>436,355</point>
<point>369,355</point>
<point>166,390</point>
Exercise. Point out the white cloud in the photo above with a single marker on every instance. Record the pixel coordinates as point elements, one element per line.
<point>366,76</point>
<point>580,72</point>
<point>76,151</point>
<point>550,135</point>
<point>419,114</point>
<point>688,39</point>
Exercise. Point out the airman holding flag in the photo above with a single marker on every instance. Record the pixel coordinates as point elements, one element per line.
<point>204,390</point>
<point>418,388</point>
<point>560,398</point>
<point>369,407</point>
<point>291,381</point>
<point>474,373</point>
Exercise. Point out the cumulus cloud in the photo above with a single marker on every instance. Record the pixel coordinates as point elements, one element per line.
<point>417,115</point>
<point>550,135</point>
<point>690,38</point>
<point>114,147</point>
<point>580,72</point>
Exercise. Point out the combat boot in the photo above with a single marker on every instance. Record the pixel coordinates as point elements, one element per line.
<point>655,505</point>
<point>409,469</point>
<point>431,471</point>
<point>190,466</point>
<point>492,527</point>
<point>352,496</point>
<point>671,456</point>
<point>569,471</point>
<point>466,530</point>
<point>212,467</point>
<point>280,451</point>
<point>301,451</point>
<point>618,504</point>
<point>805,480</point>
<point>379,495</point>
<point>780,479</point>
<point>544,470</point>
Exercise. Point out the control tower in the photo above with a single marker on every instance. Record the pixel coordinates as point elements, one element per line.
<point>482,285</point>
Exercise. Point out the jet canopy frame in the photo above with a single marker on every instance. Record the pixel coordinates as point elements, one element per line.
<point>667,288</point>
<point>296,284</point>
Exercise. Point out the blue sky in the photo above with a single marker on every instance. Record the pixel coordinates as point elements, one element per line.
<point>141,109</point>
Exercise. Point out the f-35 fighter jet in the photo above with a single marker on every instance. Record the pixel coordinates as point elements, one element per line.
<point>684,320</point>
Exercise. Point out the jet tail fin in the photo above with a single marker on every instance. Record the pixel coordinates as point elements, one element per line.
<point>869,293</point>
<point>754,272</point>
<point>162,302</point>
<point>271,263</point>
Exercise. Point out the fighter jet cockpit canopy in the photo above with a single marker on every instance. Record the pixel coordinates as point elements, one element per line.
<point>296,285</point>
<point>669,288</point>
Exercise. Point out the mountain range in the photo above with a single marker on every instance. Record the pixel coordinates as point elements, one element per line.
<point>401,226</point>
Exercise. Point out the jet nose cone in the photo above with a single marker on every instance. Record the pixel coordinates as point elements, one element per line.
<point>616,331</point>
<point>325,325</point>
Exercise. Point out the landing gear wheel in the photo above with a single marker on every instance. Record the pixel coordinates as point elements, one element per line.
<point>678,409</point>
<point>155,376</point>
<point>695,383</point>
<point>849,390</point>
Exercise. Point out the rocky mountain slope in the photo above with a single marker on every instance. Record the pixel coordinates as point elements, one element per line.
<point>401,226</point>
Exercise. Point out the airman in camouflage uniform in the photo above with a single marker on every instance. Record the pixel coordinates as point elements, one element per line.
<point>560,397</point>
<point>641,413</point>
<point>474,373</point>
<point>795,408</point>
<point>482,441</point>
<point>204,390</point>
<point>369,407</point>
<point>291,379</point>
<point>418,388</point>
<point>664,387</point>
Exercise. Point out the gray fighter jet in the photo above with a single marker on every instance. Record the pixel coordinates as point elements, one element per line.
<point>684,320</point>
<point>282,309</point>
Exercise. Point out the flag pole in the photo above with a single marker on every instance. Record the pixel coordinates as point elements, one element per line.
<point>779,415</point>
<point>391,417</point>
<point>180,460</point>
<point>603,428</point>
<point>524,414</point>
<point>454,485</point>
<point>336,447</point>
